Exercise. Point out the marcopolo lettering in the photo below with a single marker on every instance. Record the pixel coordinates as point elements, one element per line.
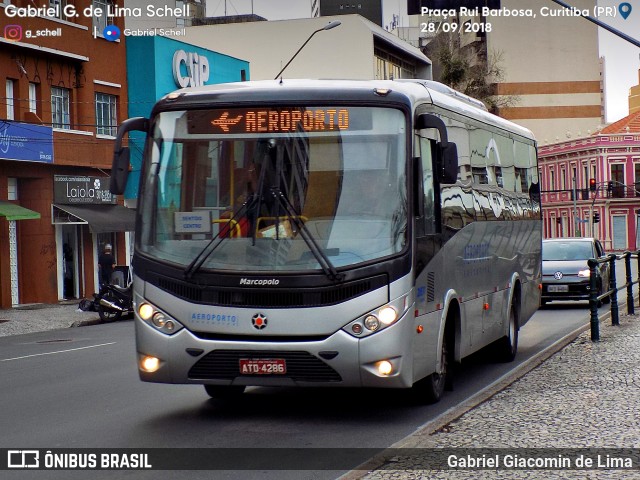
<point>263,282</point>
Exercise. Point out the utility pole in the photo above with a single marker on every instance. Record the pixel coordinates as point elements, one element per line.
<point>576,220</point>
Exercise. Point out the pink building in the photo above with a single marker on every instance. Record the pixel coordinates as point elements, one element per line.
<point>612,157</point>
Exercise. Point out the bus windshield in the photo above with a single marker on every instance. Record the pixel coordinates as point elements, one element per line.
<point>254,178</point>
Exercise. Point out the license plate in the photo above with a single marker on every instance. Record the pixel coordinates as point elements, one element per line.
<point>272,366</point>
<point>558,288</point>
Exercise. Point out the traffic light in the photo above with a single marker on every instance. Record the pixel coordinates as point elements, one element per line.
<point>592,184</point>
<point>596,217</point>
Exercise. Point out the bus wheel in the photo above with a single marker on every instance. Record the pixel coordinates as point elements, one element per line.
<point>508,345</point>
<point>430,389</point>
<point>224,391</point>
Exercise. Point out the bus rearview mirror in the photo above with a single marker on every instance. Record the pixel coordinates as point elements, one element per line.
<point>121,155</point>
<point>449,172</point>
<point>119,171</point>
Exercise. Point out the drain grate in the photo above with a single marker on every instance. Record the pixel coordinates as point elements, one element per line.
<point>4,320</point>
<point>57,340</point>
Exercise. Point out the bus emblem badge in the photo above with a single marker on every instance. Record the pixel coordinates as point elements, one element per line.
<point>259,321</point>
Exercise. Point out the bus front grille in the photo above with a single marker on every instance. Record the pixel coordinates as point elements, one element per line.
<point>270,297</point>
<point>225,365</point>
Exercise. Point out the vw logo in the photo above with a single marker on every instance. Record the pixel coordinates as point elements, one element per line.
<point>259,321</point>
<point>557,275</point>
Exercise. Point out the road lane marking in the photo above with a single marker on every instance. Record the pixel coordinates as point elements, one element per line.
<point>59,351</point>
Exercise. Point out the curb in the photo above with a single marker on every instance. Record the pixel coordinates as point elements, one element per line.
<point>86,323</point>
<point>480,397</point>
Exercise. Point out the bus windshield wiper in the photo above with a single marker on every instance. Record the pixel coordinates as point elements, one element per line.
<point>208,249</point>
<point>327,267</point>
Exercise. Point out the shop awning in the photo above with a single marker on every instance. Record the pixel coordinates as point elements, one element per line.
<point>16,212</point>
<point>103,218</point>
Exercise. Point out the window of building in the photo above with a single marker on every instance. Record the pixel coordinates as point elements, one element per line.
<point>563,179</point>
<point>617,176</point>
<point>106,119</point>
<point>60,108</point>
<point>57,5</point>
<point>552,179</point>
<point>101,22</point>
<point>10,100</point>
<point>637,179</point>
<point>12,193</point>
<point>32,98</point>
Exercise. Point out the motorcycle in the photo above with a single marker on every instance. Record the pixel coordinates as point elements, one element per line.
<point>113,301</point>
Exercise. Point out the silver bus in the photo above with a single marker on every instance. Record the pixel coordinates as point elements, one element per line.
<point>329,233</point>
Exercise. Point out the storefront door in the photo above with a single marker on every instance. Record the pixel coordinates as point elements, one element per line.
<point>67,252</point>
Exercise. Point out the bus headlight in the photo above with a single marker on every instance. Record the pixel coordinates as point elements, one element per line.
<point>378,319</point>
<point>371,323</point>
<point>155,317</point>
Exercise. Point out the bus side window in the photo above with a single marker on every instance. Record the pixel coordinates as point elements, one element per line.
<point>426,156</point>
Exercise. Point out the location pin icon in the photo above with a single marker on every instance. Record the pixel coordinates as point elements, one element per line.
<point>625,10</point>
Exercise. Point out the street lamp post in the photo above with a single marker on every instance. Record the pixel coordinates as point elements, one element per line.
<point>329,26</point>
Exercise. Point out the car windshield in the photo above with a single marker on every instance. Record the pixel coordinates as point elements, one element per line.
<point>255,180</point>
<point>567,251</point>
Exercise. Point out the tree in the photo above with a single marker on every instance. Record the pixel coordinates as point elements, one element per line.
<point>469,69</point>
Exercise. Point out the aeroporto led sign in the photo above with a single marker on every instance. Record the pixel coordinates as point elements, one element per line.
<point>266,120</point>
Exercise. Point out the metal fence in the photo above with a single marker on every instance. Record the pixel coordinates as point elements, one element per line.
<point>595,300</point>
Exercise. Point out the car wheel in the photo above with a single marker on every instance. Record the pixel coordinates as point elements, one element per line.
<point>608,298</point>
<point>224,391</point>
<point>508,345</point>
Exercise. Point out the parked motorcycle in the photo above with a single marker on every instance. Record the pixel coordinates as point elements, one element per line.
<point>113,301</point>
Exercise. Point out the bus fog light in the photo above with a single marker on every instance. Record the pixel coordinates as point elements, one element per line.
<point>145,311</point>
<point>385,368</point>
<point>169,326</point>
<point>149,364</point>
<point>356,328</point>
<point>372,323</point>
<point>387,315</point>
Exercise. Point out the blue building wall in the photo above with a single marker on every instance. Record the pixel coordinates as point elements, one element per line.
<point>150,77</point>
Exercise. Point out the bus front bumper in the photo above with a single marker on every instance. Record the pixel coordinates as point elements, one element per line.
<point>341,360</point>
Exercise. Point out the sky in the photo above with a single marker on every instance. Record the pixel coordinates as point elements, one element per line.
<point>622,58</point>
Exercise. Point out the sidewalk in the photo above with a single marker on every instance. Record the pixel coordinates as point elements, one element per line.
<point>587,395</point>
<point>40,317</point>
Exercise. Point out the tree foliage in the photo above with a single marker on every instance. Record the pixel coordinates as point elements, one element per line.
<point>469,70</point>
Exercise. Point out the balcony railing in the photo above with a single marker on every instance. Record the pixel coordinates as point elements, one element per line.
<point>616,191</point>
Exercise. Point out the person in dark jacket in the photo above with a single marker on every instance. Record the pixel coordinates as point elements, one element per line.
<point>106,264</point>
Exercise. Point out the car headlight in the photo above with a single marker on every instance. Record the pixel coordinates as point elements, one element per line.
<point>378,319</point>
<point>584,273</point>
<point>155,317</point>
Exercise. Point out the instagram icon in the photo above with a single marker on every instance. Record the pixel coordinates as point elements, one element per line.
<point>13,32</point>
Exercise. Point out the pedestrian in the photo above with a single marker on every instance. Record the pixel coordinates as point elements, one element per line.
<point>106,264</point>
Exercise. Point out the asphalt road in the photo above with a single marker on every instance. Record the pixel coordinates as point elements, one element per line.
<point>79,388</point>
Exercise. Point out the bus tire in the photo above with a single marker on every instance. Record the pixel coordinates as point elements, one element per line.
<point>224,391</point>
<point>430,389</point>
<point>508,345</point>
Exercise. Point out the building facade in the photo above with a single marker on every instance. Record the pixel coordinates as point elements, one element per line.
<point>159,65</point>
<point>612,158</point>
<point>634,97</point>
<point>552,76</point>
<point>64,94</point>
<point>357,49</point>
